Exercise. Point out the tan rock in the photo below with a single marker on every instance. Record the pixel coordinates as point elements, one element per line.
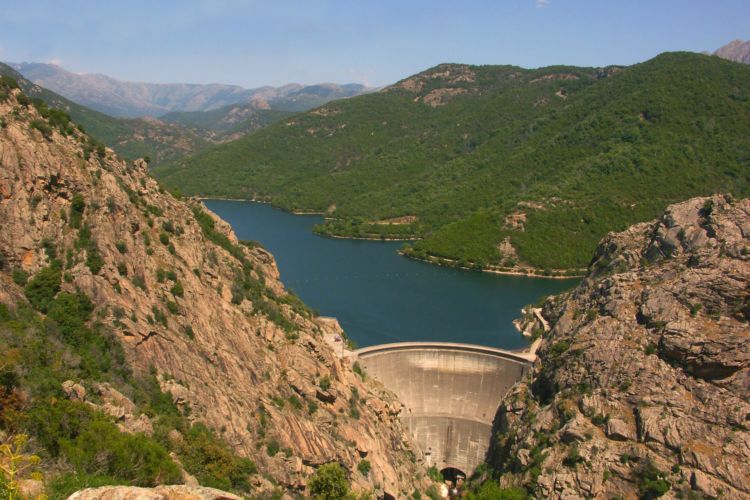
<point>31,489</point>
<point>74,391</point>
<point>177,492</point>
<point>654,348</point>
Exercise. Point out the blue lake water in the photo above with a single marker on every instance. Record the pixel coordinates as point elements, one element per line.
<point>379,296</point>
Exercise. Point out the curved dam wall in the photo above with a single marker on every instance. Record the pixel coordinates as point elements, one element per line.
<point>451,393</point>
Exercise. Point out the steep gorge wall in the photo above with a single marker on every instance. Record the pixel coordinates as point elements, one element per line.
<point>642,386</point>
<point>232,346</point>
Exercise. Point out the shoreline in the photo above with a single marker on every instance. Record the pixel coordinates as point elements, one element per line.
<point>363,238</point>
<point>443,262</point>
<point>204,198</point>
<point>438,261</point>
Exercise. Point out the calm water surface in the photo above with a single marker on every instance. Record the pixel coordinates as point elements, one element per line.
<point>379,296</point>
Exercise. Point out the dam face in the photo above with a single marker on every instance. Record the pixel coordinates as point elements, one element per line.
<point>451,393</point>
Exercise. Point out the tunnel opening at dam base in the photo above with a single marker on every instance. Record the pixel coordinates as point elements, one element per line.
<point>450,392</point>
<point>454,479</point>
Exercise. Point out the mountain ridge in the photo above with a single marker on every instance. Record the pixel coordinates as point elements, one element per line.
<point>125,99</point>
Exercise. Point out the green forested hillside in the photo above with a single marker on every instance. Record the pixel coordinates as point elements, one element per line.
<point>551,158</point>
<point>228,121</point>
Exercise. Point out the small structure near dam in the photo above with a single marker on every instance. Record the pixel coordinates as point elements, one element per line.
<point>451,393</point>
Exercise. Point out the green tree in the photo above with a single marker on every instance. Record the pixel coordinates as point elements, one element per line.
<point>328,483</point>
<point>43,287</point>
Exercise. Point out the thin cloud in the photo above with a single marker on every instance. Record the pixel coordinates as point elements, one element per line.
<point>540,4</point>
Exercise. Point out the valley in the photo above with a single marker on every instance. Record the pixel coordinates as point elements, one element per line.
<point>512,281</point>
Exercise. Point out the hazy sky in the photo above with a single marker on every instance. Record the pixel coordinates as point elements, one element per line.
<point>253,43</point>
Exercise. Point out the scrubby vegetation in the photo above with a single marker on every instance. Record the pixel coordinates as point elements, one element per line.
<point>588,150</point>
<point>249,284</point>
<point>55,338</point>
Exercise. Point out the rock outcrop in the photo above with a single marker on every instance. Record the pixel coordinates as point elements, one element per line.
<point>736,50</point>
<point>189,301</point>
<point>158,493</point>
<point>642,385</point>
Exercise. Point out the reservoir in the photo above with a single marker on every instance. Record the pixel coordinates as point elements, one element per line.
<point>380,297</point>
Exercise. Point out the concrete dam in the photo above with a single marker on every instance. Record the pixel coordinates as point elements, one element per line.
<point>451,393</point>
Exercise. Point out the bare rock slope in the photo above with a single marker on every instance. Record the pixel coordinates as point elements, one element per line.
<point>736,50</point>
<point>185,297</point>
<point>643,383</point>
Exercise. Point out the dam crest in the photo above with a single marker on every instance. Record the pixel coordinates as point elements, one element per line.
<point>450,392</point>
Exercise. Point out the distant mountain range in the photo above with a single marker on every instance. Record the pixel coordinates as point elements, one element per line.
<point>101,105</point>
<point>134,99</point>
<point>736,50</point>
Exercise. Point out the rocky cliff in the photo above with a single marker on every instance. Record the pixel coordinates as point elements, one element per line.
<point>642,386</point>
<point>188,301</point>
<point>736,50</point>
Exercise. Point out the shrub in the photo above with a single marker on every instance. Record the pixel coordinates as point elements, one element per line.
<point>356,368</point>
<point>139,281</point>
<point>177,289</point>
<point>328,482</point>
<point>295,402</point>
<point>172,307</point>
<point>559,348</point>
<point>189,333</point>
<point>93,444</point>
<point>312,407</point>
<point>77,207</point>
<point>213,462</point>
<point>490,490</point>
<point>364,467</point>
<point>42,127</point>
<point>434,474</point>
<point>94,260</point>
<point>573,458</point>
<point>20,277</point>
<point>121,247</point>
<point>272,448</point>
<point>43,287</point>
<point>651,482</point>
<point>325,383</point>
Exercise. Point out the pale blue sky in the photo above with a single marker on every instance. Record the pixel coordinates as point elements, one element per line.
<point>253,43</point>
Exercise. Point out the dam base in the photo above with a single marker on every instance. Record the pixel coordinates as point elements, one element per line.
<point>450,392</point>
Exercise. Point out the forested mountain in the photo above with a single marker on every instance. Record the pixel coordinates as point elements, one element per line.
<point>499,165</point>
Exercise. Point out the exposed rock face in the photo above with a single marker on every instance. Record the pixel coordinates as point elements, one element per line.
<point>647,364</point>
<point>736,50</point>
<point>241,369</point>
<point>158,493</point>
